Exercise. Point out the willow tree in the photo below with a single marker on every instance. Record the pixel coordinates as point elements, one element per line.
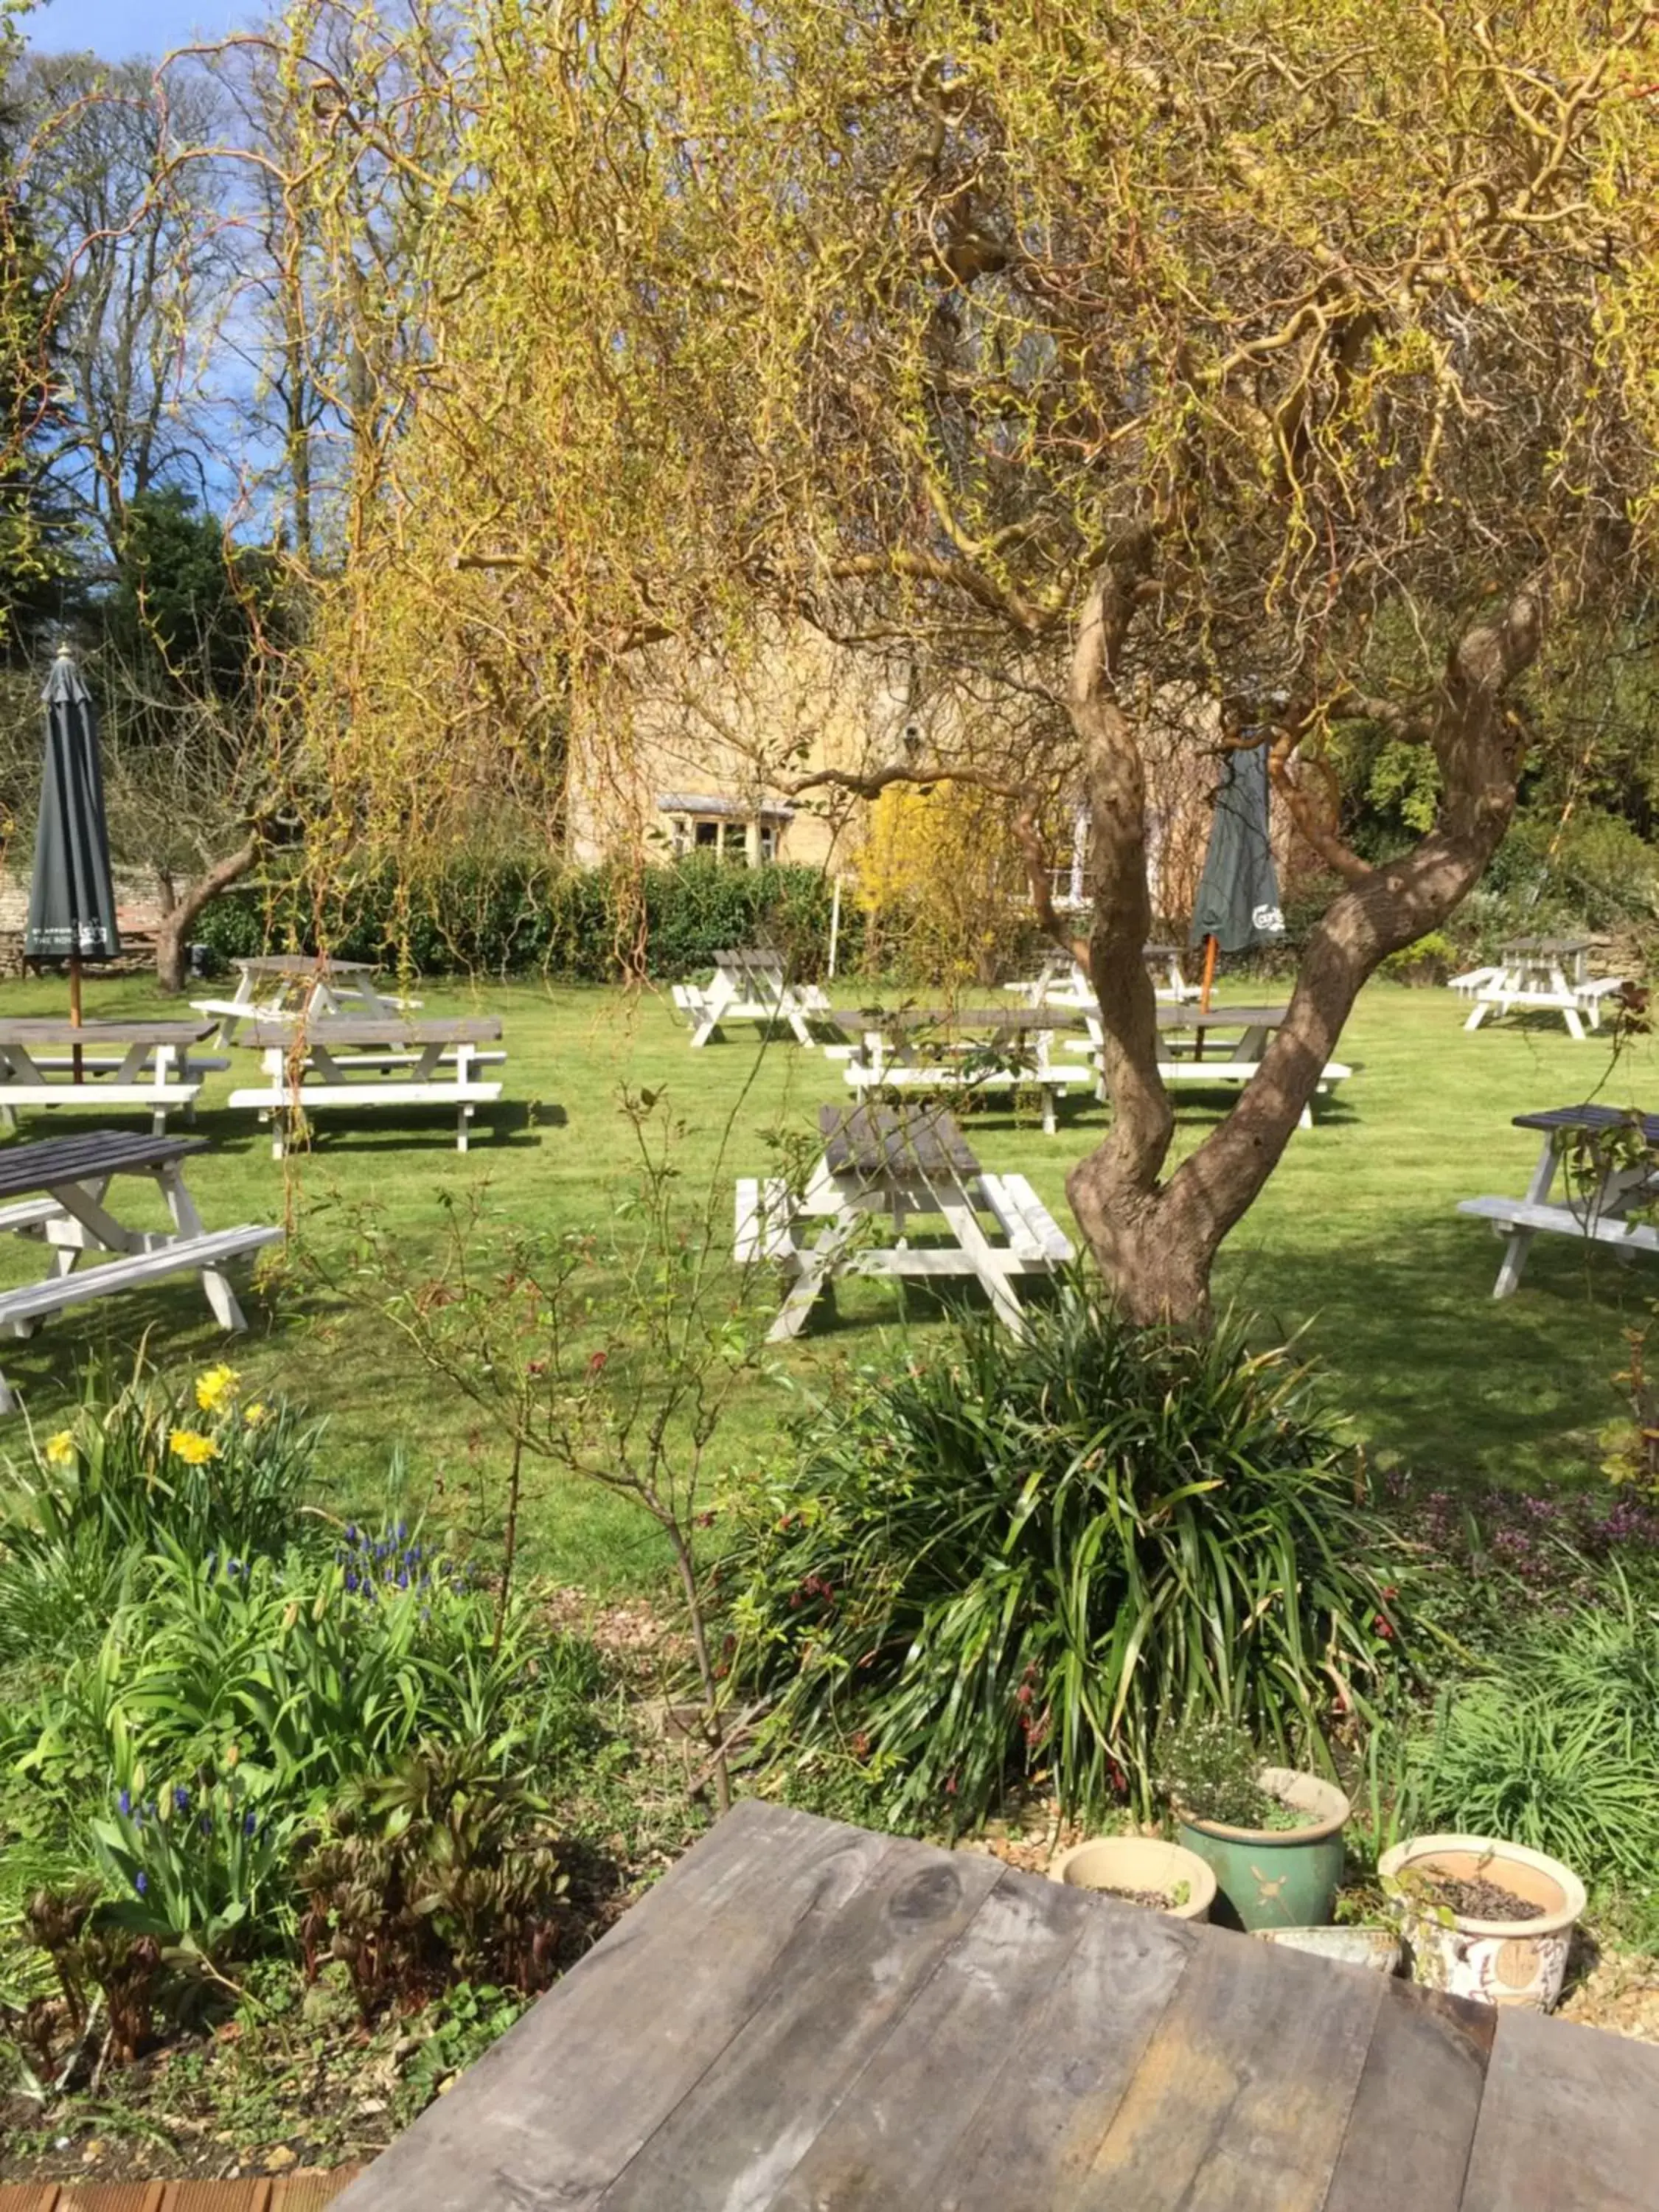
<point>1295,357</point>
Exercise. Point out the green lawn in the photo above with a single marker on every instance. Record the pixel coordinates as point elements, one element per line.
<point>1356,1239</point>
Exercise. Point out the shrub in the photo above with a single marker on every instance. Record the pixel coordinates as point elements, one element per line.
<point>485,915</point>
<point>1029,1556</point>
<point>1558,1747</point>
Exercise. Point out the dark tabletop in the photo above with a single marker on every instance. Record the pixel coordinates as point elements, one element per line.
<point>304,963</point>
<point>1545,946</point>
<point>894,1140</point>
<point>392,1028</point>
<point>1587,1117</point>
<point>58,1029</point>
<point>85,1156</point>
<point>1220,1017</point>
<point>1001,1020</point>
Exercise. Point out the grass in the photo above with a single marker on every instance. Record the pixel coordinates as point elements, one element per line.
<point>1356,1240</point>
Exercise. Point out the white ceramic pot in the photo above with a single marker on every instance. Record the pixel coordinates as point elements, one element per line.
<point>1500,1962</point>
<point>1377,1949</point>
<point>1132,1862</point>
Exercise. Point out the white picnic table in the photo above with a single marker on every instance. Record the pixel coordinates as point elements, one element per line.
<point>1534,975</point>
<point>273,985</point>
<point>325,1063</point>
<point>905,1163</point>
<point>963,1048</point>
<point>57,1191</point>
<point>1625,1177</point>
<point>1214,1046</point>
<point>147,1063</point>
<point>749,985</point>
<point>1063,981</point>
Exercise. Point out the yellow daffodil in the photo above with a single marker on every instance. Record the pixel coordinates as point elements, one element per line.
<point>192,1447</point>
<point>256,1413</point>
<point>60,1448</point>
<point>215,1386</point>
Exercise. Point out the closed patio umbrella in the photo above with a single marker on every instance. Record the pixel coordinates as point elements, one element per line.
<point>1238,903</point>
<point>71,895</point>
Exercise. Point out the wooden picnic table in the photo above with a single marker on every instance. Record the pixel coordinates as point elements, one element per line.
<point>272,986</point>
<point>58,1191</point>
<point>807,2017</point>
<point>904,1163</point>
<point>955,1049</point>
<point>1539,975</point>
<point>141,1062</point>
<point>326,1062</point>
<point>1063,981</point>
<point>749,985</point>
<point>1624,1179</point>
<point>1239,1035</point>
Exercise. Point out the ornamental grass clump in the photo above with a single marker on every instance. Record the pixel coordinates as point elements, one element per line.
<point>1021,1560</point>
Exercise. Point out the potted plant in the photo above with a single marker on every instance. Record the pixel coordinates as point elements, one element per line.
<point>1484,1919</point>
<point>1142,1870</point>
<point>1271,1835</point>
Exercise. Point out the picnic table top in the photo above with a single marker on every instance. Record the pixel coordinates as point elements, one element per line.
<point>749,956</point>
<point>394,1028</point>
<point>876,1141</point>
<point>1522,946</point>
<point>88,1154</point>
<point>1218,1015</point>
<point>1587,1117</point>
<point>302,963</point>
<point>58,1029</point>
<point>807,2017</point>
<point>1002,1020</point>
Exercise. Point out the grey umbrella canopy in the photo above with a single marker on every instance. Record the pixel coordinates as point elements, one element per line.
<point>1237,900</point>
<point>71,897</point>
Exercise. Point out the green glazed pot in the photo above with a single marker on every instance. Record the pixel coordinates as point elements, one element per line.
<point>1276,1877</point>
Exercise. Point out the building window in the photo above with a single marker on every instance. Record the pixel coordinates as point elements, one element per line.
<point>724,828</point>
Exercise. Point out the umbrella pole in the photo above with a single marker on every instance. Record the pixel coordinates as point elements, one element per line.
<point>75,1006</point>
<point>1210,950</point>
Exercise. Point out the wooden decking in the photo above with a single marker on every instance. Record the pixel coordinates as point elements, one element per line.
<point>806,2017</point>
<point>294,2192</point>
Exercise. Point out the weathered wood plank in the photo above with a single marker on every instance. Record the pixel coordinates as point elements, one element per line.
<point>887,1141</point>
<point>1242,2100</point>
<point>830,2003</point>
<point>1414,2119</point>
<point>1065,2071</point>
<point>1570,2122</point>
<point>309,2190</point>
<point>89,1153</point>
<point>113,2197</point>
<point>957,2054</point>
<point>557,2108</point>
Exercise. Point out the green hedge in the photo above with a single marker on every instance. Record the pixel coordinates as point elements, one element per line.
<point>572,925</point>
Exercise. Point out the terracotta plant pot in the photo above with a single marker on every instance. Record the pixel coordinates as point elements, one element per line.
<point>1499,1962</point>
<point>1133,1862</point>
<point>1277,1877</point>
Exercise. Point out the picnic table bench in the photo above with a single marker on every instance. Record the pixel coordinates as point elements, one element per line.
<point>272,986</point>
<point>325,1064</point>
<point>1063,981</point>
<point>1539,975</point>
<point>900,1163</point>
<point>749,985</point>
<point>1223,1045</point>
<point>145,1062</point>
<point>806,2016</point>
<point>1600,1215</point>
<point>57,1191</point>
<point>963,1049</point>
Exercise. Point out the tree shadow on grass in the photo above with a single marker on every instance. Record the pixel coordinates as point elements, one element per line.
<point>1430,1366</point>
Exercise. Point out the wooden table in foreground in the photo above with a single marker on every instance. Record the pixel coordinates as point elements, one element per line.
<point>806,2017</point>
<point>362,1061</point>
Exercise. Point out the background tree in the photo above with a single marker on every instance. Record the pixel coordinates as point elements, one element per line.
<point>1167,353</point>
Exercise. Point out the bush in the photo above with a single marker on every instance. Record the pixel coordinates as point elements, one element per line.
<point>1558,1747</point>
<point>1029,1556</point>
<point>482,915</point>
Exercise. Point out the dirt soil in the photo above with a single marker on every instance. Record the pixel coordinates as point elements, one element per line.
<point>1477,1899</point>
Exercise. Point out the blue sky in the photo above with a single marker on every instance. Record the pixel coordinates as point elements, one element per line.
<point>116,28</point>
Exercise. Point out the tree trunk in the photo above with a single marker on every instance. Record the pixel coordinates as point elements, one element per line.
<point>171,931</point>
<point>1154,1241</point>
